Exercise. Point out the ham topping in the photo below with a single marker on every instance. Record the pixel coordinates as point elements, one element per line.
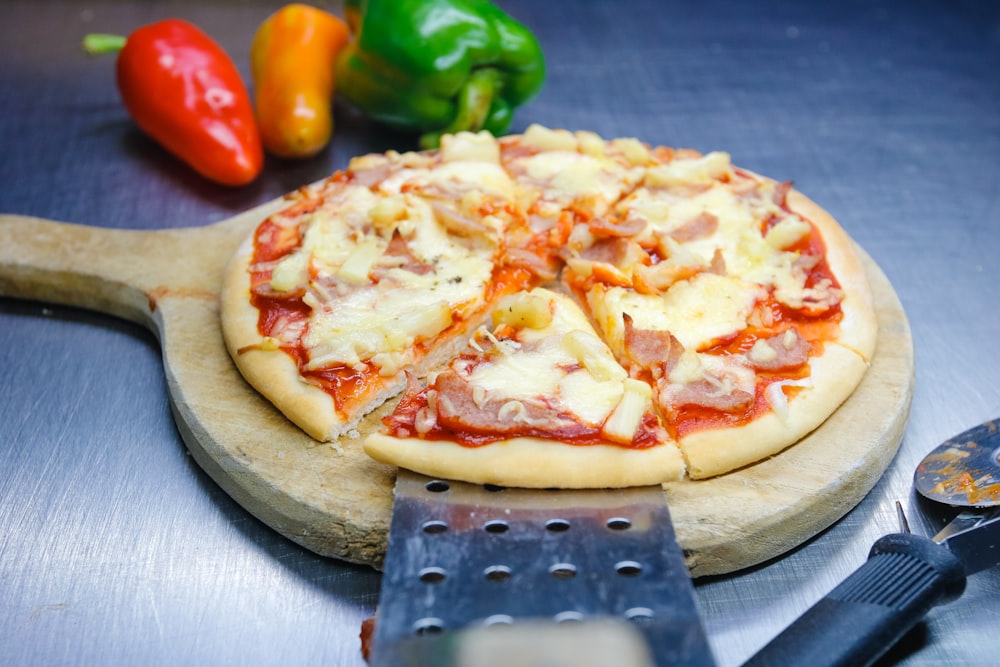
<point>702,225</point>
<point>613,251</point>
<point>725,383</point>
<point>399,255</point>
<point>650,349</point>
<point>460,408</point>
<point>458,224</point>
<point>780,193</point>
<point>603,228</point>
<point>708,394</point>
<point>780,352</point>
<point>372,175</point>
<point>526,259</point>
<point>718,265</point>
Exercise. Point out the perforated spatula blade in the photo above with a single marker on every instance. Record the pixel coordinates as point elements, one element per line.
<point>481,561</point>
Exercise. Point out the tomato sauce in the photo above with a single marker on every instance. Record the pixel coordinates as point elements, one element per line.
<point>402,424</point>
<point>350,385</point>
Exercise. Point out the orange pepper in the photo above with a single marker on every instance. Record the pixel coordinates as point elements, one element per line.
<point>292,59</point>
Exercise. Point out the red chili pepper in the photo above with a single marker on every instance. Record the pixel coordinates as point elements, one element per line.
<point>182,89</point>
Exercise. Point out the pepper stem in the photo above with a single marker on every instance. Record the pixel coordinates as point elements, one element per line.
<point>474,102</point>
<point>97,43</point>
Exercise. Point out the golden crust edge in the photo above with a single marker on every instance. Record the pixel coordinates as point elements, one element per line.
<point>859,325</point>
<point>271,372</point>
<point>276,376</point>
<point>528,462</point>
<point>835,375</point>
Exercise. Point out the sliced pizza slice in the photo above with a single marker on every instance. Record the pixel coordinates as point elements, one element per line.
<point>382,269</point>
<point>537,400</point>
<point>741,301</point>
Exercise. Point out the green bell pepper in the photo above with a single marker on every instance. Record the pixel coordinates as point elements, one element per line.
<point>438,66</point>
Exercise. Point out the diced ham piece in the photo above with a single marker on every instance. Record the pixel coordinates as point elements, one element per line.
<point>780,193</point>
<point>649,349</point>
<point>780,352</point>
<point>718,265</point>
<point>601,227</point>
<point>702,225</point>
<point>457,408</point>
<point>725,383</point>
<point>373,175</point>
<point>457,223</point>
<point>613,251</point>
<point>532,262</point>
<point>398,255</point>
<point>707,395</point>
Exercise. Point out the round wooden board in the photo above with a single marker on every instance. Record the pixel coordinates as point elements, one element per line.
<point>333,499</point>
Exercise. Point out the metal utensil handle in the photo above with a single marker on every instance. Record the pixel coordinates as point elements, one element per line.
<point>866,614</point>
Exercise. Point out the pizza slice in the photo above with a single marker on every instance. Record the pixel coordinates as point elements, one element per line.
<point>738,299</point>
<point>383,268</point>
<point>536,400</point>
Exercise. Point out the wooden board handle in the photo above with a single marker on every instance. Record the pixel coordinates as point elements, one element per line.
<point>116,271</point>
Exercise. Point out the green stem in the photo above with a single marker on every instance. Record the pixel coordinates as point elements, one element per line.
<point>97,44</point>
<point>474,102</point>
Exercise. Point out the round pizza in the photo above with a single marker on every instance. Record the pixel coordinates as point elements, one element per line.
<point>552,310</point>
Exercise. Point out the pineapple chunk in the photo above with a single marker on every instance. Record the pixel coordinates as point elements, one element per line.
<point>682,172</point>
<point>592,355</point>
<point>523,310</point>
<point>469,147</point>
<point>387,212</point>
<point>545,139</point>
<point>787,232</point>
<point>634,151</point>
<point>359,263</point>
<point>623,422</point>
<point>290,272</point>
<point>591,143</point>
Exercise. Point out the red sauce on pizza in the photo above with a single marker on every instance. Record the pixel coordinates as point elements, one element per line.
<point>403,423</point>
<point>534,254</point>
<point>344,384</point>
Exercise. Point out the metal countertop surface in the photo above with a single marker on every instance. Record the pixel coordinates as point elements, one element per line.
<point>115,548</point>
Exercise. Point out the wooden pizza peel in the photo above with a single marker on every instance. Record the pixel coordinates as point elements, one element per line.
<point>333,499</point>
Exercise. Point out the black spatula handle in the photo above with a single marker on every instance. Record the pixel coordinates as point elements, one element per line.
<point>860,619</point>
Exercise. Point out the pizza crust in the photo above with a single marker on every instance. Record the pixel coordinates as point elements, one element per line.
<point>271,371</point>
<point>858,327</point>
<point>833,377</point>
<point>538,463</point>
<point>531,462</point>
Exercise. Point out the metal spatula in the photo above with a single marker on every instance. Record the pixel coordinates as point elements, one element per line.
<point>551,576</point>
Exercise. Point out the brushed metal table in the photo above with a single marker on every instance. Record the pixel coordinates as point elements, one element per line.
<point>115,548</point>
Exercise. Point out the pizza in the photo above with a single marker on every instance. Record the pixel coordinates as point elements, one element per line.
<point>537,376</point>
<point>552,309</point>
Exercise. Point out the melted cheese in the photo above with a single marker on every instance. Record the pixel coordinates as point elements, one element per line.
<point>748,254</point>
<point>563,360</point>
<point>698,311</point>
<point>704,169</point>
<point>356,327</point>
<point>568,175</point>
<point>356,318</point>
